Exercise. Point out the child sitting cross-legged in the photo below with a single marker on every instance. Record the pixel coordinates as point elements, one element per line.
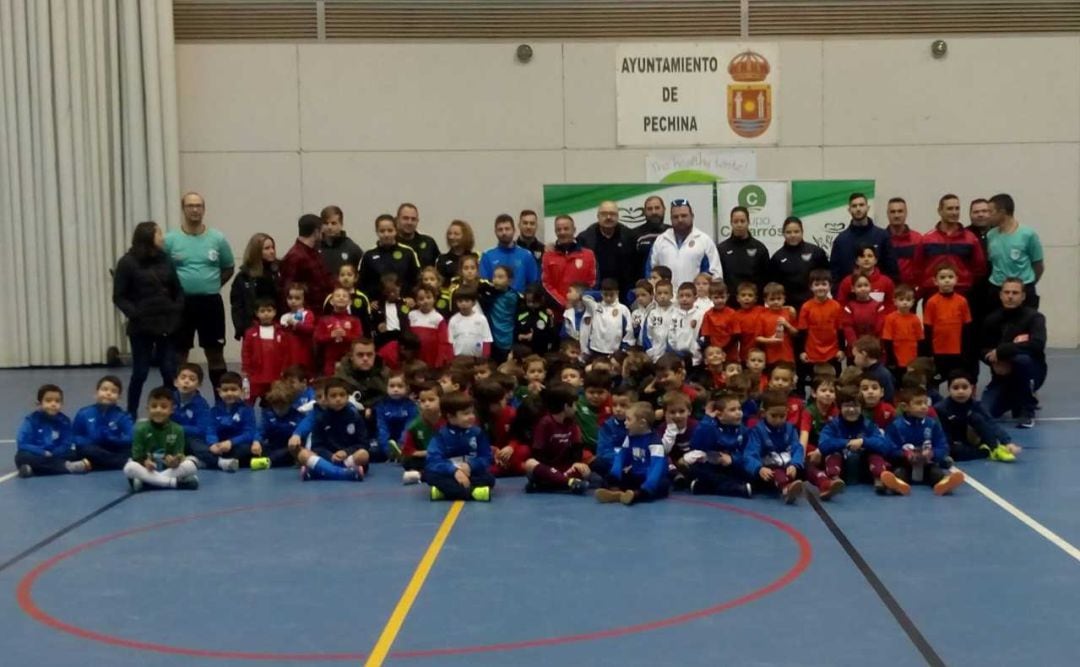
<point>921,451</point>
<point>421,430</point>
<point>339,438</point>
<point>102,431</point>
<point>850,441</point>
<point>392,415</point>
<point>44,443</point>
<point>157,449</point>
<point>459,455</point>
<point>639,469</point>
<point>280,417</point>
<point>234,423</point>
<point>557,459</point>
<point>612,434</point>
<point>774,454</point>
<point>715,458</point>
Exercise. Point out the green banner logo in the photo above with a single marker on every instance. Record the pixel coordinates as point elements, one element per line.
<point>752,197</point>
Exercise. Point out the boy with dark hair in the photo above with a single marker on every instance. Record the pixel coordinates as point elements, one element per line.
<point>339,439</point>
<point>280,417</point>
<point>102,432</point>
<point>718,325</point>
<point>265,350</point>
<point>234,422</point>
<point>639,469</point>
<point>922,448</point>
<point>675,436</point>
<point>468,328</point>
<point>819,411</point>
<point>820,322</point>
<point>557,461</point>
<point>684,332</point>
<point>776,329</point>
<point>715,459</point>
<point>851,437</point>
<point>192,412</point>
<point>880,411</point>
<point>868,358</point>
<point>774,454</point>
<point>495,417</point>
<point>593,407</point>
<point>420,431</point>
<point>393,413</point>
<point>458,459</point>
<point>612,327</point>
<point>782,378</point>
<point>158,442</point>
<point>536,325</point>
<point>947,321</point>
<point>902,332</point>
<point>746,317</point>
<point>970,430</point>
<point>612,432</point>
<point>44,441</point>
<point>500,306</point>
<point>335,332</point>
<point>656,328</point>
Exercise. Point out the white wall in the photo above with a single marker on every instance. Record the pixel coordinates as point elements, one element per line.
<point>268,131</point>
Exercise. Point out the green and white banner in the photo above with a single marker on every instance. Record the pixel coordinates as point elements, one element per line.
<point>767,202</point>
<point>823,207</point>
<point>580,201</point>
<point>700,166</point>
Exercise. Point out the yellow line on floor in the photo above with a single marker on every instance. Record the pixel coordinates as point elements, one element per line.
<point>397,618</point>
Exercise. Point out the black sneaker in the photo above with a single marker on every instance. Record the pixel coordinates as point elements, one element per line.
<point>680,483</point>
<point>188,483</point>
<point>25,471</point>
<point>1026,420</point>
<point>531,487</point>
<point>577,486</point>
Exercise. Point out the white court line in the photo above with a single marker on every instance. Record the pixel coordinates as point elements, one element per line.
<point>1050,535</point>
<point>11,475</point>
<point>1037,420</point>
<point>7,442</point>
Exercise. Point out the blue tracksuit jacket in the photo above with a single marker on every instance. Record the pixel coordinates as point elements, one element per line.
<point>45,436</point>
<point>392,415</point>
<point>195,418</point>
<point>235,423</point>
<point>906,430</point>
<point>452,445</point>
<point>111,428</point>
<point>835,434</point>
<point>610,437</point>
<point>342,429</point>
<point>715,438</point>
<point>644,456</point>
<point>773,447</point>
<point>956,417</point>
<point>277,429</point>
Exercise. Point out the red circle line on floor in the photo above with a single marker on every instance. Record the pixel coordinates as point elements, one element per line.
<point>24,595</point>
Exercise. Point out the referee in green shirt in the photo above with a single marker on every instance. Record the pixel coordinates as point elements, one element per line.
<point>1014,251</point>
<point>204,263</point>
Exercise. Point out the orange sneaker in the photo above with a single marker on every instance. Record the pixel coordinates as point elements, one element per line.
<point>949,482</point>
<point>894,483</point>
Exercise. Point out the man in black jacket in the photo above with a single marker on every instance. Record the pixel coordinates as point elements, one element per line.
<point>612,243</point>
<point>645,234</point>
<point>335,247</point>
<point>425,247</point>
<point>1014,345</point>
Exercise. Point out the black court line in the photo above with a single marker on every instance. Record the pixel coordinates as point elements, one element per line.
<point>63,531</point>
<point>913,633</point>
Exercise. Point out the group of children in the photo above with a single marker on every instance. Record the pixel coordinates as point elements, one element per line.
<point>692,395</point>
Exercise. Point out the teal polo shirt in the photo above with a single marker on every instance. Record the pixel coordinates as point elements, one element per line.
<point>199,259</point>
<point>1013,254</point>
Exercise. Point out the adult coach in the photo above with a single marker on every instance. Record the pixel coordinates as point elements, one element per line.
<point>683,249</point>
<point>388,256</point>
<point>860,231</point>
<point>742,257</point>
<point>645,234</point>
<point>507,253</point>
<point>567,263</point>
<point>905,243</point>
<point>407,220</point>
<point>792,263</point>
<point>1014,344</point>
<point>335,247</point>
<point>204,263</point>
<point>612,243</point>
<point>527,225</point>
<point>1015,250</point>
<point>303,264</point>
<point>949,243</point>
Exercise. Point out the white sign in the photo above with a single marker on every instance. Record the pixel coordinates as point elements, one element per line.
<point>767,202</point>
<point>692,94</point>
<point>700,166</point>
<point>581,201</point>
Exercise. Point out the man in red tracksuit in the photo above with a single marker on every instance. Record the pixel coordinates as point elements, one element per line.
<point>567,264</point>
<point>950,242</point>
<point>905,244</point>
<point>265,350</point>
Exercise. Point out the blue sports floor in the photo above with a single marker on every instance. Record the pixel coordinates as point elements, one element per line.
<point>261,568</point>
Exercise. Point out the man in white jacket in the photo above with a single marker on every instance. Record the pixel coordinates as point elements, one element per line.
<point>683,249</point>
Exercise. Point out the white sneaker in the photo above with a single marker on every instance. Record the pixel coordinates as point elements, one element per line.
<point>410,477</point>
<point>229,465</point>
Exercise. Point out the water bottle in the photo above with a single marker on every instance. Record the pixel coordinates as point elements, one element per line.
<point>246,388</point>
<point>919,469</point>
<point>779,329</point>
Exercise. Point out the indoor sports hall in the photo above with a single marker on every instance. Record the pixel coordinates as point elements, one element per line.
<point>344,145</point>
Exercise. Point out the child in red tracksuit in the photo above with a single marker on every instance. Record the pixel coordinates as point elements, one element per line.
<point>336,332</point>
<point>557,462</point>
<point>881,285</point>
<point>265,351</point>
<point>300,322</point>
<point>495,417</point>
<point>863,316</point>
<point>782,379</point>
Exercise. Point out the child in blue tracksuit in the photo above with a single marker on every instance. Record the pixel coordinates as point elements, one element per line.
<point>459,459</point>
<point>339,439</point>
<point>639,470</point>
<point>500,305</point>
<point>970,430</point>
<point>280,420</point>
<point>392,415</point>
<point>774,454</point>
<point>922,452</point>
<point>234,422</point>
<point>192,413</point>
<point>849,444</point>
<point>612,433</point>
<point>44,444</point>
<point>716,451</point>
<point>102,431</point>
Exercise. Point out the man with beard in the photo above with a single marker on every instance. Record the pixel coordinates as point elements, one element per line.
<point>611,242</point>
<point>425,247</point>
<point>567,263</point>
<point>861,231</point>
<point>527,223</point>
<point>1014,345</point>
<point>507,253</point>
<point>645,234</point>
<point>683,249</point>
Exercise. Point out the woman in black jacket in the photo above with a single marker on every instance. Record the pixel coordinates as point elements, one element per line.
<point>792,263</point>
<point>258,278</point>
<point>148,293</point>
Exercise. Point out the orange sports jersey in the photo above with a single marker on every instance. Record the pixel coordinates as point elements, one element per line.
<point>719,327</point>
<point>947,314</point>
<point>822,321</point>
<point>766,327</point>
<point>905,332</point>
<point>746,323</point>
